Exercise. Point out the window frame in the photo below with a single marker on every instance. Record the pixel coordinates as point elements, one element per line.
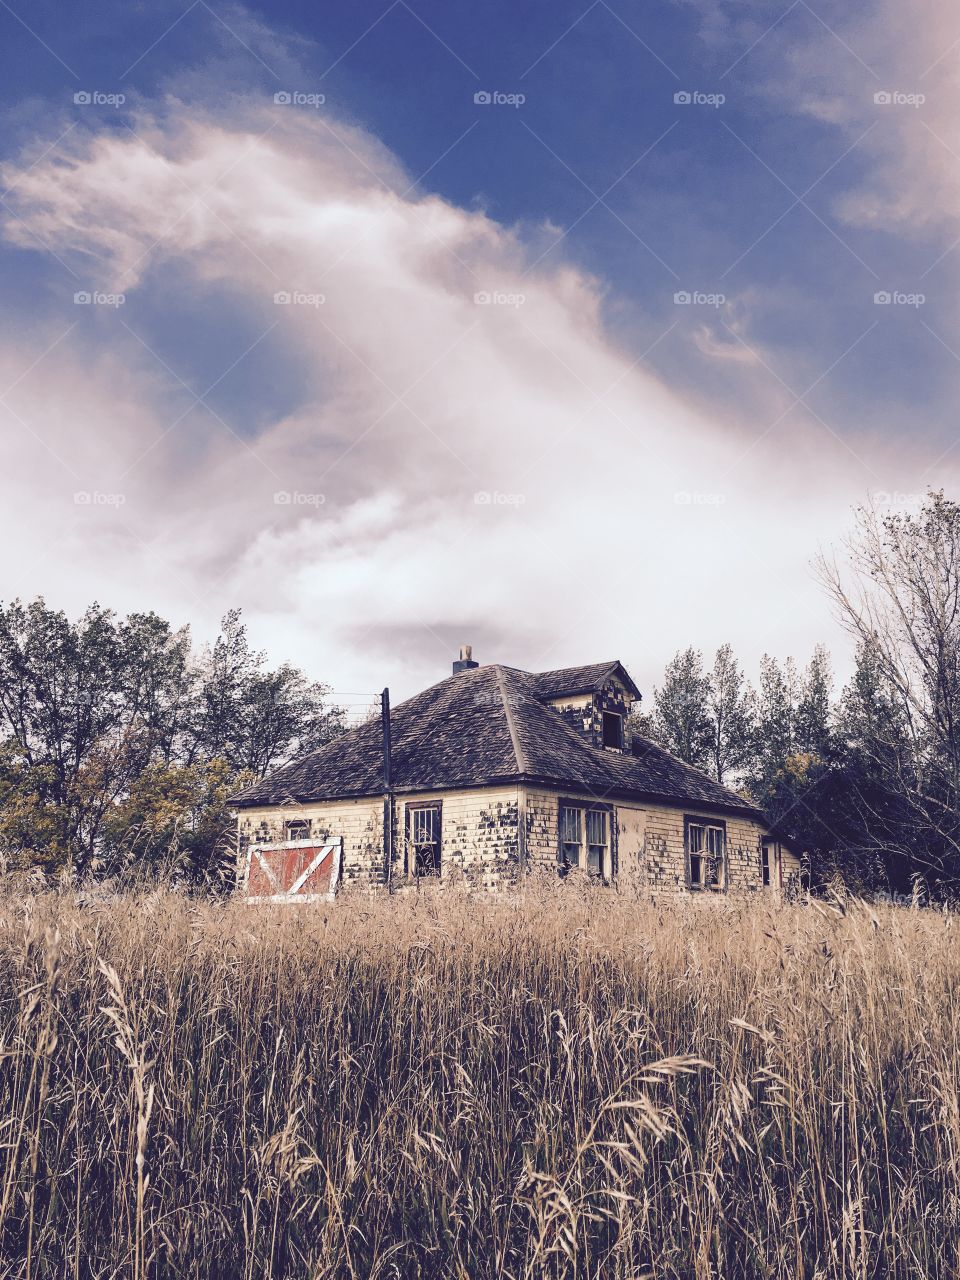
<point>413,863</point>
<point>774,868</point>
<point>608,855</point>
<point>692,820</point>
<point>604,716</point>
<point>302,831</point>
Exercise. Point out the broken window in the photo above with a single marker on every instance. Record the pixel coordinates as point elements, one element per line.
<point>613,730</point>
<point>423,839</point>
<point>584,838</point>
<point>706,854</point>
<point>297,829</point>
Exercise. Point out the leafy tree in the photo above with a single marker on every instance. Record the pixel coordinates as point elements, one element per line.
<point>731,711</point>
<point>175,818</point>
<point>776,721</point>
<point>255,718</point>
<point>681,718</point>
<point>813,715</point>
<point>92,711</point>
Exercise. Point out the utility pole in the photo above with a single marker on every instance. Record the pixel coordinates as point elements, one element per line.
<point>387,790</point>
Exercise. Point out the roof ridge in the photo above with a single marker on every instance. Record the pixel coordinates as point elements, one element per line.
<point>511,722</point>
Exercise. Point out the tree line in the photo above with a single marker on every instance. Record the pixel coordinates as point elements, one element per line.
<point>120,742</point>
<point>864,781</point>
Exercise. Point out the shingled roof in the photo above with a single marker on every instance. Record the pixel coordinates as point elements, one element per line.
<point>486,726</point>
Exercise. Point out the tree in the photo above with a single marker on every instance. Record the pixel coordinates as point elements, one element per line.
<point>731,711</point>
<point>681,717</point>
<point>255,718</point>
<point>93,710</point>
<point>175,818</point>
<point>776,721</point>
<point>813,715</point>
<point>899,596</point>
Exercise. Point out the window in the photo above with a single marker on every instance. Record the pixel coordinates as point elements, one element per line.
<point>613,730</point>
<point>596,840</point>
<point>423,839</point>
<point>297,829</point>
<point>706,854</point>
<point>585,839</point>
<point>570,836</point>
<point>770,864</point>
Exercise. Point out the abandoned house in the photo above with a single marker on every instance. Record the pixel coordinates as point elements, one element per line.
<point>495,771</point>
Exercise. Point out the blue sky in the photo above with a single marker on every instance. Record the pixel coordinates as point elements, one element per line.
<point>783,197</point>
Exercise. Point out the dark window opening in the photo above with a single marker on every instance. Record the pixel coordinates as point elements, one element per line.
<point>613,730</point>
<point>423,839</point>
<point>298,829</point>
<point>765,864</point>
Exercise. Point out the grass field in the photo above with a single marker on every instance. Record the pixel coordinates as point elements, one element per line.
<point>565,1083</point>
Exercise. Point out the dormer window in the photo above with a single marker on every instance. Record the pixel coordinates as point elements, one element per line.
<point>612,730</point>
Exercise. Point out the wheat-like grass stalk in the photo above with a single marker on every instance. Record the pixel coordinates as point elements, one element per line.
<point>557,1083</point>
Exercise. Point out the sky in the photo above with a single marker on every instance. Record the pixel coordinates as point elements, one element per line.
<point>574,331</point>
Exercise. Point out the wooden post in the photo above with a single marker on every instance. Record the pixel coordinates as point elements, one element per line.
<point>387,790</point>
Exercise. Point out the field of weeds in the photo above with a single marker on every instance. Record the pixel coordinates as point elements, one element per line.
<point>563,1083</point>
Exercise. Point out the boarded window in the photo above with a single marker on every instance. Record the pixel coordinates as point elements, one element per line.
<point>423,839</point>
<point>292,873</point>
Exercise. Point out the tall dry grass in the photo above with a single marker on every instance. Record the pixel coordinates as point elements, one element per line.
<point>558,1084</point>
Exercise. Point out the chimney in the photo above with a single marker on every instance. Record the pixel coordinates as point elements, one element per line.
<point>465,662</point>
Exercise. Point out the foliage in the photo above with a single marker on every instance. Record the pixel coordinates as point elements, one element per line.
<point>107,721</point>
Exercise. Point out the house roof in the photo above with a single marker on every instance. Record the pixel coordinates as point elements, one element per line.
<point>572,680</point>
<point>484,726</point>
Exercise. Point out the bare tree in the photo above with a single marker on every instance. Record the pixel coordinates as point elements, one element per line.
<point>899,595</point>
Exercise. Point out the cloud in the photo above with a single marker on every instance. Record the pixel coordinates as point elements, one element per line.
<point>467,455</point>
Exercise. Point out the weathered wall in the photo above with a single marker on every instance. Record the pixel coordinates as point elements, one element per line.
<point>358,822</point>
<point>484,834</point>
<point>585,711</point>
<point>479,832</point>
<point>649,843</point>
